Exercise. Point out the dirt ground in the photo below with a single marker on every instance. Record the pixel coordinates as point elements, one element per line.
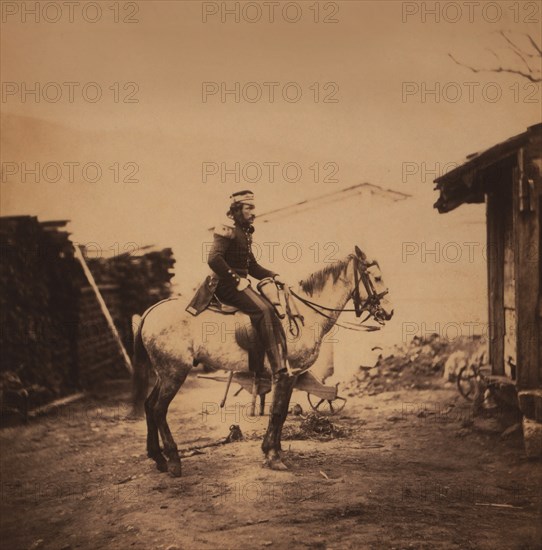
<point>414,472</point>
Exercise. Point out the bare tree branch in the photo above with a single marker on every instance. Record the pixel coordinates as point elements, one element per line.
<point>516,48</point>
<point>534,44</point>
<point>529,73</point>
<point>529,76</point>
<point>517,51</point>
<point>494,55</point>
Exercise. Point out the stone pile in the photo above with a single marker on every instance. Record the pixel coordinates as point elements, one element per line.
<point>418,364</point>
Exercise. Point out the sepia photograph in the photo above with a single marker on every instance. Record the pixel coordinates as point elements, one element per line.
<point>270,274</point>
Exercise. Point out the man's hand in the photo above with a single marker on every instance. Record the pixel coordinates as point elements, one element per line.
<point>279,280</point>
<point>242,284</point>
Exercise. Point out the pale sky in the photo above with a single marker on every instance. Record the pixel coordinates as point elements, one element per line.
<point>368,56</point>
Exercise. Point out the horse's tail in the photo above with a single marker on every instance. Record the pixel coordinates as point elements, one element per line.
<point>142,366</point>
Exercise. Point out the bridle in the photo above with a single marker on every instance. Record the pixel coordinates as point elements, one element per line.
<point>371,304</point>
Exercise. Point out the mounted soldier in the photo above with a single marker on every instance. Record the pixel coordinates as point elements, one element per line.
<point>232,261</point>
<point>171,341</point>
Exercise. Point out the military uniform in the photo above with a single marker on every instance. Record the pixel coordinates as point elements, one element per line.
<point>231,258</point>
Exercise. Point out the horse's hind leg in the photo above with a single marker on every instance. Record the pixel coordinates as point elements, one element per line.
<point>282,392</point>
<point>153,443</point>
<point>169,386</point>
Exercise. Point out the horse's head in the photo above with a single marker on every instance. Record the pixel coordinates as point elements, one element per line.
<point>370,292</point>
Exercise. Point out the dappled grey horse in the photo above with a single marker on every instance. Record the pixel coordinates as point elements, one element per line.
<point>171,341</point>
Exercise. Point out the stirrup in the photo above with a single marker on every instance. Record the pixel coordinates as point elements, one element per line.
<point>220,307</point>
<point>294,372</point>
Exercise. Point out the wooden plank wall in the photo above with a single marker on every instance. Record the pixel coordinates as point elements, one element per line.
<point>509,303</point>
<point>495,213</point>
<point>527,266</point>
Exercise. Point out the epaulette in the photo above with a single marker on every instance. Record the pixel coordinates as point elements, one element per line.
<point>224,229</point>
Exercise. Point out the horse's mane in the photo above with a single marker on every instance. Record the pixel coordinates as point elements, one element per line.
<point>317,280</point>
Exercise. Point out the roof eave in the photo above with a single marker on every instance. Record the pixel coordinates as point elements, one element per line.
<point>463,184</point>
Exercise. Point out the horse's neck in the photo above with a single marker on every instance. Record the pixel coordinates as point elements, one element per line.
<point>332,295</point>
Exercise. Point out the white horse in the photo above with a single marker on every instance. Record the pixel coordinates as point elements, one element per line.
<point>171,341</point>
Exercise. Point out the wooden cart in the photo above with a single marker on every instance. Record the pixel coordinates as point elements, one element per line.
<point>321,398</point>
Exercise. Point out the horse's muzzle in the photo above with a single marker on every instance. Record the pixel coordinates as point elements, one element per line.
<point>383,315</point>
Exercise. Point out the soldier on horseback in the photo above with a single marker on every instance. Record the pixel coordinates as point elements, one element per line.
<point>170,342</point>
<point>232,261</point>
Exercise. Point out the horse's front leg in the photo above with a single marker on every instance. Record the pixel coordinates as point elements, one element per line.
<point>283,385</point>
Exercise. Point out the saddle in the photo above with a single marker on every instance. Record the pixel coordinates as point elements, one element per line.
<point>245,334</point>
<point>219,307</point>
<point>266,287</point>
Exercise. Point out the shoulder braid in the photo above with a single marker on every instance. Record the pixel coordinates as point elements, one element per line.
<point>225,229</point>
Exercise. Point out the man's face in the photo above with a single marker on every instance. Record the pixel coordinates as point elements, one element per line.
<point>248,212</point>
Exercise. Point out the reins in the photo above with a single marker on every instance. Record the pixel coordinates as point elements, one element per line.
<point>371,305</point>
<point>293,323</point>
<point>359,327</point>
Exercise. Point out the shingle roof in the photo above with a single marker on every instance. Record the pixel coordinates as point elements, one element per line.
<point>462,184</point>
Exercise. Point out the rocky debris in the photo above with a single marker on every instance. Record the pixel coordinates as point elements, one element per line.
<point>395,418</point>
<point>417,364</point>
<point>315,426</point>
<point>455,362</point>
<point>463,358</point>
<point>511,431</point>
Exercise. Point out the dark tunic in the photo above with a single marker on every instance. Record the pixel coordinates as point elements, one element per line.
<point>230,258</point>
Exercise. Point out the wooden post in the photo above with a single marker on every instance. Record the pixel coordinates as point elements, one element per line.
<point>527,257</point>
<point>495,272</point>
<point>528,234</point>
<point>103,306</point>
<point>254,395</point>
<point>44,409</point>
<point>223,402</point>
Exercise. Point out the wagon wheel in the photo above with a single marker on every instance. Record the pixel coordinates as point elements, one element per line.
<point>326,407</point>
<point>466,382</point>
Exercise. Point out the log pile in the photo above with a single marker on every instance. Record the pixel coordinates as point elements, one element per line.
<point>141,279</point>
<point>98,353</point>
<point>38,280</point>
<point>54,337</point>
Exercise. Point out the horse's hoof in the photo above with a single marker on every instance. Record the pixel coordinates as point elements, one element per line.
<point>174,469</point>
<point>275,464</point>
<point>161,465</point>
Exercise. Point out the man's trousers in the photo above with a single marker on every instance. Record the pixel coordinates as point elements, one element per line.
<point>265,322</point>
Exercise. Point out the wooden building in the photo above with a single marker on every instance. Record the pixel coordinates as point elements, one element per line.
<point>508,178</point>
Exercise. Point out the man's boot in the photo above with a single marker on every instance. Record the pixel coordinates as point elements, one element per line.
<point>256,357</point>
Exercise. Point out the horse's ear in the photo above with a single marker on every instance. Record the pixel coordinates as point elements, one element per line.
<point>359,253</point>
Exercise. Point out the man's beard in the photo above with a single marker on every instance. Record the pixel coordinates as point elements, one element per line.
<point>240,219</point>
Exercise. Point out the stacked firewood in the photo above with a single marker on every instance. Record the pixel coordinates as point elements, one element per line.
<point>38,281</point>
<point>142,280</point>
<point>53,334</point>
